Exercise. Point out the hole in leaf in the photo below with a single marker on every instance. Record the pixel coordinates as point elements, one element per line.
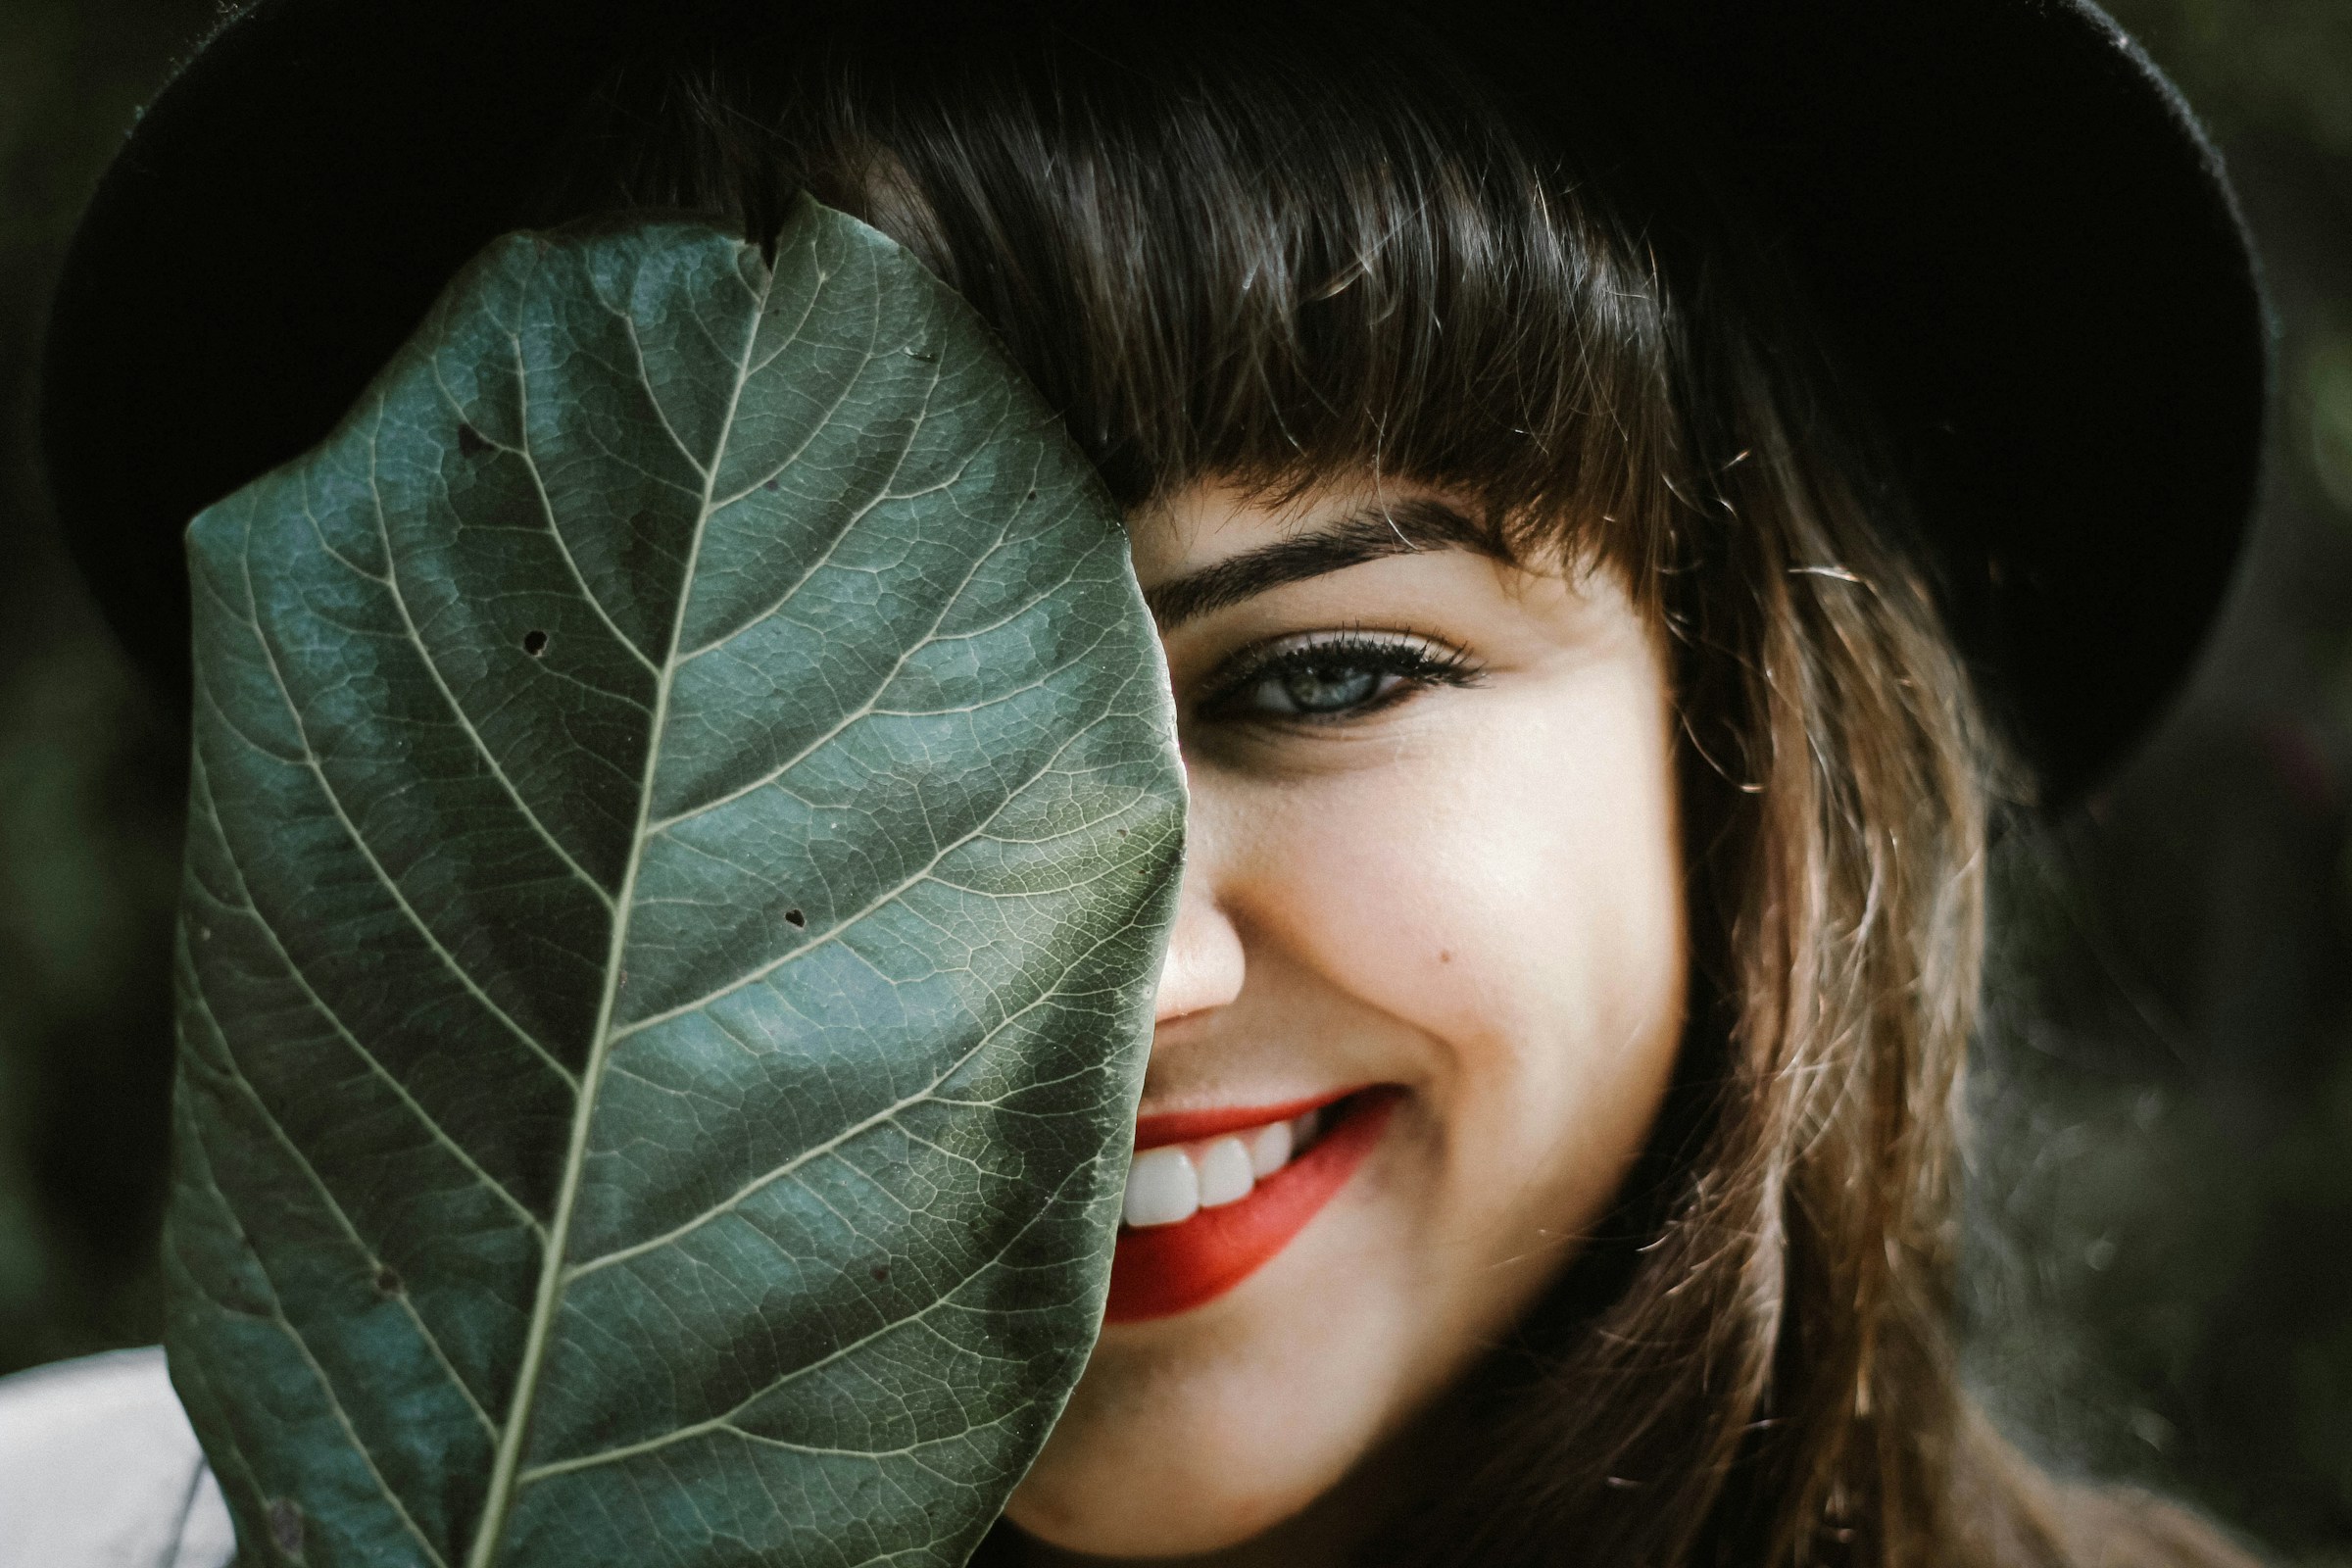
<point>534,643</point>
<point>387,1282</point>
<point>471,441</point>
<point>795,917</point>
<point>285,1524</point>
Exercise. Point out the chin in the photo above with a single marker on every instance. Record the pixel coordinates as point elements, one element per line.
<point>1193,1433</point>
<point>1196,1471</point>
<point>1189,1504</point>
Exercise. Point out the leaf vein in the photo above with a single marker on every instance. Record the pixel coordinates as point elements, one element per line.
<point>887,1114</point>
<point>652,399</point>
<point>547,507</point>
<point>506,1476</point>
<point>236,1075</point>
<point>432,667</point>
<point>918,1318</point>
<point>841,928</point>
<point>294,972</point>
<point>310,760</point>
<point>326,1386</point>
<point>824,557</point>
<point>860,711</point>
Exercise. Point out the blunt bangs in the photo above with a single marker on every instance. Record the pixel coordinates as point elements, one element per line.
<point>1248,248</point>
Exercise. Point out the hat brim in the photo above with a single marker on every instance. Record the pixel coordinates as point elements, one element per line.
<point>2022,244</point>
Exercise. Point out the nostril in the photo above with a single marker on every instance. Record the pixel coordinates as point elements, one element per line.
<point>1203,966</point>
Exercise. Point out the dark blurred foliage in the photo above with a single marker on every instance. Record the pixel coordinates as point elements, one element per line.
<point>88,813</point>
<point>2160,1226</point>
<point>2160,1236</point>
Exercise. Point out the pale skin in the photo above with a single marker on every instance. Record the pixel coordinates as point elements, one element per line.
<point>1456,871</point>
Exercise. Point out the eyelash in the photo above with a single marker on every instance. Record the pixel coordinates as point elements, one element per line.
<point>1411,664</point>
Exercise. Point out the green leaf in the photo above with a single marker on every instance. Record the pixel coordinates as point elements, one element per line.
<point>684,823</point>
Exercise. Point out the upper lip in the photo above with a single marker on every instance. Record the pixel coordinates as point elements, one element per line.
<point>1191,1126</point>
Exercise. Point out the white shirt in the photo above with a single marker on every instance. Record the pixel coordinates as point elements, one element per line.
<point>100,1469</point>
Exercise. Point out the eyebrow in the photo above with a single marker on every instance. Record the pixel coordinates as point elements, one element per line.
<point>1398,528</point>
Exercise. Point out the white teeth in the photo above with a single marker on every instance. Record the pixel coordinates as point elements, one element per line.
<point>1269,1149</point>
<point>1162,1188</point>
<point>1225,1173</point>
<point>1170,1184</point>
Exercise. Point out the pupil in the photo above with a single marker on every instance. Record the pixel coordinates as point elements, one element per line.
<point>1324,691</point>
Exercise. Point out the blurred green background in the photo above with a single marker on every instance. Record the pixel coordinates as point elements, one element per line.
<point>2160,1224</point>
<point>2160,1196</point>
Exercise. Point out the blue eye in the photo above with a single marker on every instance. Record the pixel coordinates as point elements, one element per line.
<point>1330,678</point>
<point>1322,689</point>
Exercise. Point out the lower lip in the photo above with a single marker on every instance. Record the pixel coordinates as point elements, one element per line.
<point>1161,1270</point>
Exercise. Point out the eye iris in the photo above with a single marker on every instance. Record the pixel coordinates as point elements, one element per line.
<point>1329,690</point>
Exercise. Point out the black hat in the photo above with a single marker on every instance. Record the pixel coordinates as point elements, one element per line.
<point>2025,247</point>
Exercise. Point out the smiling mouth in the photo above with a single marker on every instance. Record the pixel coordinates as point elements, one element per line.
<point>1213,1196</point>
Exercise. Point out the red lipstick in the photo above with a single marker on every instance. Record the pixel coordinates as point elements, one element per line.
<point>1160,1270</point>
<point>1190,1126</point>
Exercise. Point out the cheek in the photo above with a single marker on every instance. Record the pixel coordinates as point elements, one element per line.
<point>1507,882</point>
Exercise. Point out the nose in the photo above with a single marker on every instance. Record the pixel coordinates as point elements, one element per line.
<point>1203,966</point>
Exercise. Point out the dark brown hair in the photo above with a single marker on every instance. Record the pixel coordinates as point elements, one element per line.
<point>1271,245</point>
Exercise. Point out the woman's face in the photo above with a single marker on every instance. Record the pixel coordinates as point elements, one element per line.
<point>1433,887</point>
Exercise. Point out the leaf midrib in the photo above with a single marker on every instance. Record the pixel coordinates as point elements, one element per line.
<point>505,1466</point>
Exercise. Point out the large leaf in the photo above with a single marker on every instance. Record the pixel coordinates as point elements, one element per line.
<point>684,822</point>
